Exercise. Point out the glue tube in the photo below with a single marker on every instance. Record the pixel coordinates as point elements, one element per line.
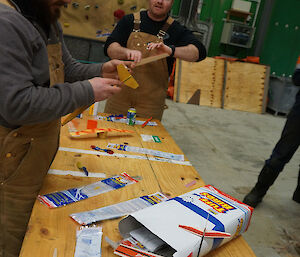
<point>88,242</point>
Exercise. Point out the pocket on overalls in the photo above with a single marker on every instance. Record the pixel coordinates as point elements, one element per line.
<point>14,153</point>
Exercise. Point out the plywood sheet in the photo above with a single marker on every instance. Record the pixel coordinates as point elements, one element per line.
<point>245,87</point>
<point>236,86</point>
<point>205,76</point>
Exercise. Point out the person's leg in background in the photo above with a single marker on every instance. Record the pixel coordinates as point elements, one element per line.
<point>282,153</point>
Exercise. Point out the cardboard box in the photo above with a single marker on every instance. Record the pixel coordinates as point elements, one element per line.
<point>204,208</point>
<point>241,5</point>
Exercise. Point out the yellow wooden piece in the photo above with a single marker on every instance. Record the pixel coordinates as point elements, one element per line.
<point>72,115</point>
<point>126,77</point>
<point>50,229</point>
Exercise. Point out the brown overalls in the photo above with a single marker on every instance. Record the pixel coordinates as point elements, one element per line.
<point>149,98</point>
<point>26,154</point>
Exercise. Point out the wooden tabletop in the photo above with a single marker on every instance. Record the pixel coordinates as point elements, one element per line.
<point>53,228</point>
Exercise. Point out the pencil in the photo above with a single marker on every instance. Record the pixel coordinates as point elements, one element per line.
<point>146,122</point>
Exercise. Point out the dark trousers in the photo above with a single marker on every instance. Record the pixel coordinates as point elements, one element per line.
<point>289,140</point>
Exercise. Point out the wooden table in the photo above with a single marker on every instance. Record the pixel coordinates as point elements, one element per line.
<point>53,228</point>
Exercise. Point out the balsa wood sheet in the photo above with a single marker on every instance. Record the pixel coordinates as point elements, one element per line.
<point>53,228</point>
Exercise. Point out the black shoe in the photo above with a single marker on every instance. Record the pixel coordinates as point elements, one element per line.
<point>255,196</point>
<point>296,195</point>
<point>265,179</point>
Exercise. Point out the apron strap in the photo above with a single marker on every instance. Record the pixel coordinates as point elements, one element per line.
<point>162,32</point>
<point>136,22</point>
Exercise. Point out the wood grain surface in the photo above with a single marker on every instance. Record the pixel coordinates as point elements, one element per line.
<point>53,228</point>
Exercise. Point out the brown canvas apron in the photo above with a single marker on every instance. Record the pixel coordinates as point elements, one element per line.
<point>25,157</point>
<point>149,98</point>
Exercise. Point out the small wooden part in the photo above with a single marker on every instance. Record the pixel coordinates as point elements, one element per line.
<point>151,59</point>
<point>73,115</point>
<point>101,131</point>
<point>102,135</point>
<point>126,77</point>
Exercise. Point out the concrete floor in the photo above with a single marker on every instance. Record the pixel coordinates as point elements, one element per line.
<point>228,149</point>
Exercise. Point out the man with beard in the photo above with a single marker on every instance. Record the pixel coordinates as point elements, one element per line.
<point>145,34</point>
<point>39,83</point>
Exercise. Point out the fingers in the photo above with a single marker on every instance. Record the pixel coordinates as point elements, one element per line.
<point>109,81</point>
<point>152,46</point>
<point>134,55</point>
<point>129,64</point>
<point>113,75</point>
<point>104,87</point>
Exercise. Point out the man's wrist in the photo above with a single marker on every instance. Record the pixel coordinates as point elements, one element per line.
<point>101,70</point>
<point>173,50</point>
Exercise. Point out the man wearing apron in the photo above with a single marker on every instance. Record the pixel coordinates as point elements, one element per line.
<point>146,34</point>
<point>35,64</point>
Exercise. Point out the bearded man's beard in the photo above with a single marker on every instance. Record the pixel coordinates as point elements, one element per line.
<point>44,13</point>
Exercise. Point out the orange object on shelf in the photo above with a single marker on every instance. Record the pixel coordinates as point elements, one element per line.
<point>170,91</point>
<point>253,59</point>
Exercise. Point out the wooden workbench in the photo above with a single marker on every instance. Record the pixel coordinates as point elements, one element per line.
<point>53,228</point>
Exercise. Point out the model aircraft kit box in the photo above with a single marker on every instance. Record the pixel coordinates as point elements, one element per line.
<point>204,218</point>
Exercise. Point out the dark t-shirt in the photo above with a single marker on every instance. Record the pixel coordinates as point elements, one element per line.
<point>177,34</point>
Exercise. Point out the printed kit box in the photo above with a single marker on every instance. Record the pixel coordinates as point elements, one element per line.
<point>160,227</point>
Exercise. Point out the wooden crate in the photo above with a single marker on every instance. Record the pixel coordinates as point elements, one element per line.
<point>206,76</point>
<point>246,87</point>
<point>223,84</point>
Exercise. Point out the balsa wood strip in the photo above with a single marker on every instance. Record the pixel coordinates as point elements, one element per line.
<point>53,228</point>
<point>151,59</point>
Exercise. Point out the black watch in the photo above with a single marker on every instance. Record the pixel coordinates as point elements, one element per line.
<point>173,50</point>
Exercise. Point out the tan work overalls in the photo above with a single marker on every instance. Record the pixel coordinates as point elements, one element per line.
<point>25,157</point>
<point>149,98</point>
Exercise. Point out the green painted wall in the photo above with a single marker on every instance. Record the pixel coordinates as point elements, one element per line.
<point>281,45</point>
<point>214,11</point>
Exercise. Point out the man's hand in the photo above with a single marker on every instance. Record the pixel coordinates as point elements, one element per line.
<point>161,48</point>
<point>134,55</point>
<point>104,88</point>
<point>109,69</point>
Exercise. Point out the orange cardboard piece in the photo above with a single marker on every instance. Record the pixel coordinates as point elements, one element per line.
<point>91,124</point>
<point>128,251</point>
